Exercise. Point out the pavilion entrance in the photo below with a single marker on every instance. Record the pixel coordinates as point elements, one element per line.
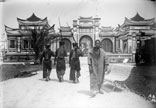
<point>107,45</point>
<point>86,43</point>
<point>67,44</point>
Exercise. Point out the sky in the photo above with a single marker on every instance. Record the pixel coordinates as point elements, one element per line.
<point>111,12</point>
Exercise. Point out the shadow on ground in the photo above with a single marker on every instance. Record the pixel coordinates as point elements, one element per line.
<point>109,88</point>
<point>9,71</point>
<point>142,80</point>
<point>56,80</point>
<point>85,92</point>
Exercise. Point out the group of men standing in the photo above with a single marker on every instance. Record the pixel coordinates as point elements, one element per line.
<point>60,62</point>
<point>97,61</point>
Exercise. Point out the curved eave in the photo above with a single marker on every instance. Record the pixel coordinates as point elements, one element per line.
<point>26,22</point>
<point>106,29</point>
<point>9,28</point>
<point>13,32</point>
<point>51,32</point>
<point>86,17</point>
<point>63,28</point>
<point>86,26</point>
<point>122,33</point>
<point>85,20</point>
<point>106,34</point>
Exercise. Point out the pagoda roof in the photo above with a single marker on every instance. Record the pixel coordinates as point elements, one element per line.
<point>65,29</point>
<point>33,17</point>
<point>86,25</point>
<point>32,20</point>
<point>88,19</point>
<point>19,32</point>
<point>138,23</point>
<point>97,17</point>
<point>85,17</point>
<point>137,20</point>
<point>137,17</point>
<point>106,29</point>
<point>106,34</point>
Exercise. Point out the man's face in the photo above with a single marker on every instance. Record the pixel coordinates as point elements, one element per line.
<point>97,44</point>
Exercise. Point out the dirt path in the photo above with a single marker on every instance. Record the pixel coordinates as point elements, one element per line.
<point>33,92</point>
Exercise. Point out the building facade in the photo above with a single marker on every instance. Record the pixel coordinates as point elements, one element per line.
<point>65,34</point>
<point>85,32</point>
<point>108,39</point>
<point>123,40</point>
<point>20,46</point>
<point>135,33</point>
<point>87,29</point>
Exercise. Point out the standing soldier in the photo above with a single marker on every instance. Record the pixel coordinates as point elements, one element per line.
<point>98,63</point>
<point>47,63</point>
<point>60,61</point>
<point>74,63</point>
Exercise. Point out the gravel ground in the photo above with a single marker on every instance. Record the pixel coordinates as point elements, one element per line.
<point>34,92</point>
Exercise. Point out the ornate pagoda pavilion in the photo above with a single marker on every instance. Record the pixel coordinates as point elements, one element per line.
<point>86,31</point>
<point>135,30</point>
<point>19,40</point>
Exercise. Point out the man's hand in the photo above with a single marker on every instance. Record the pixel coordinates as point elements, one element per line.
<point>54,63</point>
<point>90,69</point>
<point>38,61</point>
<point>106,67</point>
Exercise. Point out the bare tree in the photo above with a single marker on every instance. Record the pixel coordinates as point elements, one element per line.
<point>39,36</point>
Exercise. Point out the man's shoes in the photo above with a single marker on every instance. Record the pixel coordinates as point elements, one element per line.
<point>94,93</point>
<point>60,80</point>
<point>74,81</point>
<point>101,92</point>
<point>47,79</point>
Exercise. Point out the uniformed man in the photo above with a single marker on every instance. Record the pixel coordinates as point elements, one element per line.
<point>74,63</point>
<point>60,61</point>
<point>47,62</point>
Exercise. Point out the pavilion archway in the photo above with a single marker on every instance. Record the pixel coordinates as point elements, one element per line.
<point>67,44</point>
<point>107,45</point>
<point>86,43</point>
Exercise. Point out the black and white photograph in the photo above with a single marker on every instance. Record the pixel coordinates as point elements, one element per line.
<point>77,54</point>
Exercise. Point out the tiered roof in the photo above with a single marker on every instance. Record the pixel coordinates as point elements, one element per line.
<point>106,31</point>
<point>86,18</point>
<point>65,31</point>
<point>137,20</point>
<point>33,20</point>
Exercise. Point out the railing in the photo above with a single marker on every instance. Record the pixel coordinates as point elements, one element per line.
<point>119,58</point>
